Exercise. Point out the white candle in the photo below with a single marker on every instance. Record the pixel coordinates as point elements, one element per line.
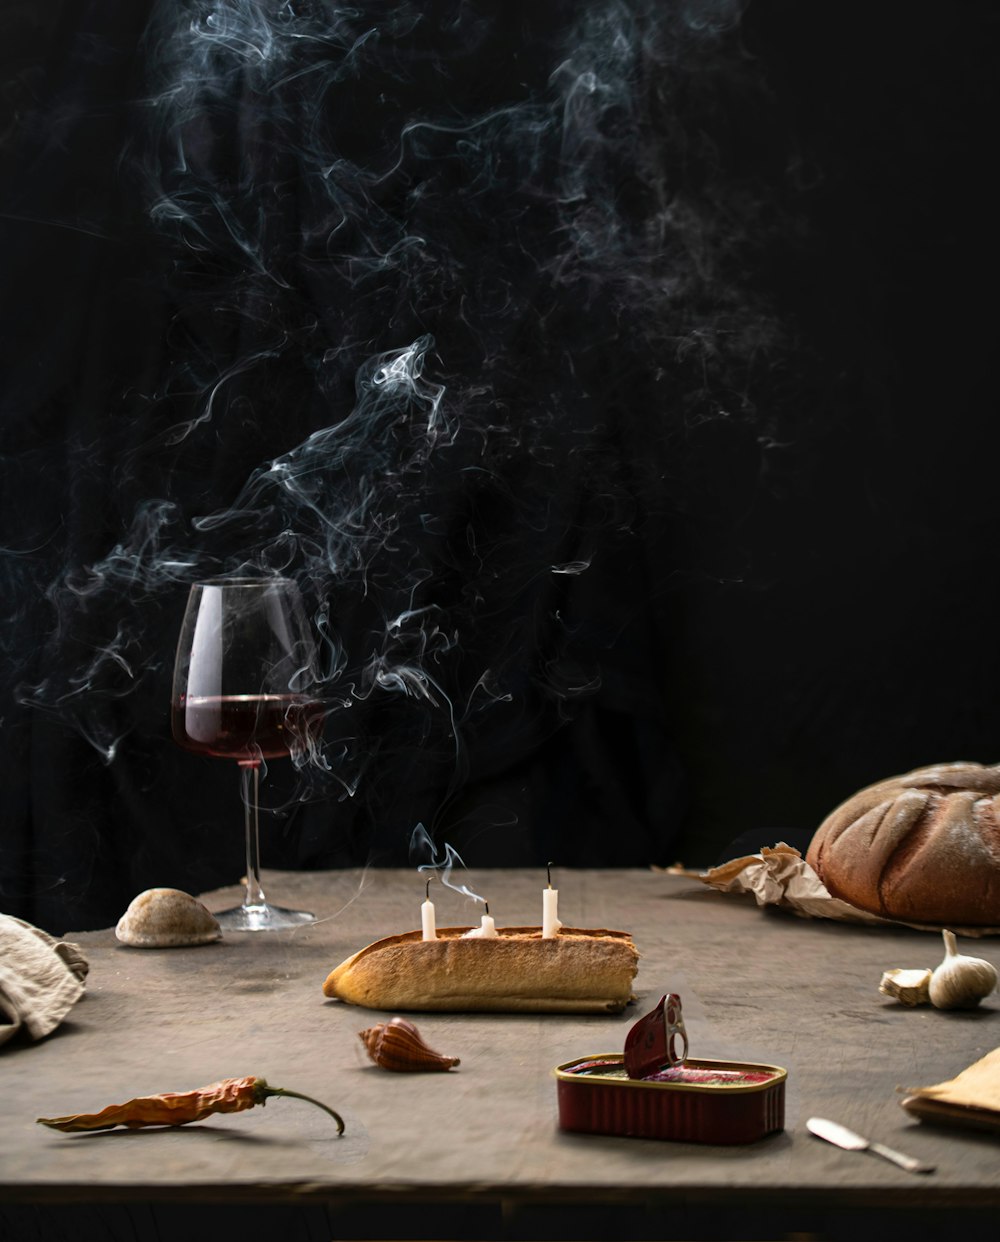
<point>487,930</point>
<point>550,912</point>
<point>550,908</point>
<point>427,920</point>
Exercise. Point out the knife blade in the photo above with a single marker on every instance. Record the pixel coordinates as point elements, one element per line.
<point>841,1136</point>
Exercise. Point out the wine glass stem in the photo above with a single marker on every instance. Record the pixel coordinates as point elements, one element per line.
<point>250,790</point>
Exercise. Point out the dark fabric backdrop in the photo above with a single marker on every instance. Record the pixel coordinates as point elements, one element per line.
<point>616,380</point>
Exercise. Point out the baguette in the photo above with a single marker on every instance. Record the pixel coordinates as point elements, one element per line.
<point>577,971</point>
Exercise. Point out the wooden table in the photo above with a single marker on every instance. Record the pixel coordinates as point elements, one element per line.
<point>477,1152</point>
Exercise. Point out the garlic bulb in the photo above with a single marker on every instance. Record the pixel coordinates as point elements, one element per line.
<point>960,982</point>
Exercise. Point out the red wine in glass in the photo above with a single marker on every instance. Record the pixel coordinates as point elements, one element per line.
<point>242,678</point>
<point>245,727</point>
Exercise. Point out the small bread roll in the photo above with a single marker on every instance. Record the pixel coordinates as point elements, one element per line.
<point>577,971</point>
<point>923,847</point>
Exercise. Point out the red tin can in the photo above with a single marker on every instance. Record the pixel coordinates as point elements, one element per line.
<point>701,1101</point>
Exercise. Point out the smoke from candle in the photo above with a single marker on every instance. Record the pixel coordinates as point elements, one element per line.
<point>439,860</point>
<point>437,336</point>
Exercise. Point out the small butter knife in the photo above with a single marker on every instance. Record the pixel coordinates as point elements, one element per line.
<point>840,1136</point>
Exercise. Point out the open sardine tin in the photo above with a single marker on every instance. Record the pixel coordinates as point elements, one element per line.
<point>654,1090</point>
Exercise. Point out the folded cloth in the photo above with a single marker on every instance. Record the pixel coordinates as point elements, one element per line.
<point>41,978</point>
<point>972,1098</point>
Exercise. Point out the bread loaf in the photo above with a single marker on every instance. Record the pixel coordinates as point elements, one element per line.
<point>921,848</point>
<point>577,971</point>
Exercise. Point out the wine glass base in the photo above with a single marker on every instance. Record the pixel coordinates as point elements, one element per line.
<point>263,918</point>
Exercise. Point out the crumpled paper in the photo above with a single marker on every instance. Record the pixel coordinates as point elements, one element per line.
<point>780,876</point>
<point>41,978</point>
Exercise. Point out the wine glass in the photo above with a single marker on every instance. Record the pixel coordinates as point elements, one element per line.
<point>245,664</point>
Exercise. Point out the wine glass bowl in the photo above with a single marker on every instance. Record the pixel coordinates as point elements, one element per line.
<point>242,685</point>
<point>246,727</point>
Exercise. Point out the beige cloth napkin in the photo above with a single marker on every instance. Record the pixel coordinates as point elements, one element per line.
<point>41,978</point>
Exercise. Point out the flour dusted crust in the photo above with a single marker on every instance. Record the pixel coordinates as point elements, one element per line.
<point>923,847</point>
<point>577,971</point>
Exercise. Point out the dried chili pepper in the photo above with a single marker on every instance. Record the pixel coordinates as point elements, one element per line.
<point>180,1108</point>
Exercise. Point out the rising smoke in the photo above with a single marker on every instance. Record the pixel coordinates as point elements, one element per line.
<point>444,289</point>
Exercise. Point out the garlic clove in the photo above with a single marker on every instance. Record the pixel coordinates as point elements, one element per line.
<point>960,982</point>
<point>397,1045</point>
<point>909,987</point>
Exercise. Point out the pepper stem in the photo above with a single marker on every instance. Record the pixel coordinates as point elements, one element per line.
<point>265,1092</point>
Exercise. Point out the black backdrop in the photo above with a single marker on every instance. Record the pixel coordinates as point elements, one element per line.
<point>615,379</point>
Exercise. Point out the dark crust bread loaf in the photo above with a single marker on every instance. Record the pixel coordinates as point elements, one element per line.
<point>577,971</point>
<point>921,848</point>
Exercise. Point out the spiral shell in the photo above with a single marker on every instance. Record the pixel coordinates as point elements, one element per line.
<point>397,1045</point>
<point>165,918</point>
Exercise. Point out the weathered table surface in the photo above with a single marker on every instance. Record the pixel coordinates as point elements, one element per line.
<point>756,985</point>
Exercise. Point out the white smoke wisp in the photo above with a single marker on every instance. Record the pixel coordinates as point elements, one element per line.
<point>444,296</point>
<point>441,862</point>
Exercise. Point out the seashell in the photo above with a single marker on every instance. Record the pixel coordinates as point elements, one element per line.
<point>397,1045</point>
<point>909,987</point>
<point>163,918</point>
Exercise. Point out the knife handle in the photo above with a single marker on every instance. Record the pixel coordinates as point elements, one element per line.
<point>905,1162</point>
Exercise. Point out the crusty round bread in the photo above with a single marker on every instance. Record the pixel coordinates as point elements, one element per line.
<point>577,971</point>
<point>921,848</point>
